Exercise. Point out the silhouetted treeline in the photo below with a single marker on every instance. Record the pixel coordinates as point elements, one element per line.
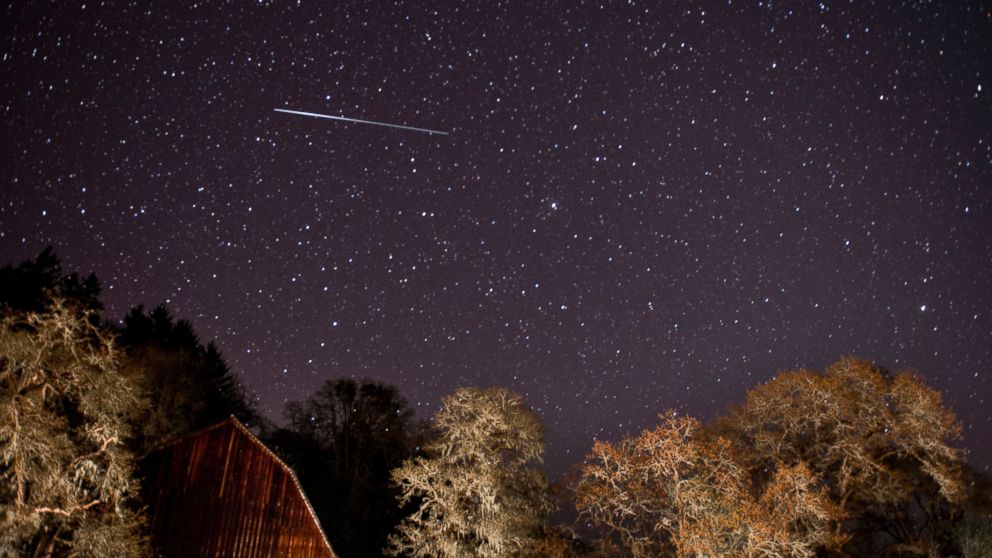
<point>192,384</point>
<point>32,285</point>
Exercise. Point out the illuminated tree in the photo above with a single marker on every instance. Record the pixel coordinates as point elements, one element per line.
<point>672,491</point>
<point>881,443</point>
<point>476,491</point>
<point>66,479</point>
<point>552,543</point>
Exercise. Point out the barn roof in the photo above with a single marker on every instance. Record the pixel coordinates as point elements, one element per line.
<point>221,492</point>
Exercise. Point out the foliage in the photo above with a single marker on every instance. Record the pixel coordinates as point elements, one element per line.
<point>32,285</point>
<point>853,462</point>
<point>973,532</point>
<point>477,493</point>
<point>882,444</point>
<point>67,482</point>
<point>560,541</point>
<point>343,441</point>
<point>671,491</point>
<point>193,385</point>
<point>974,537</point>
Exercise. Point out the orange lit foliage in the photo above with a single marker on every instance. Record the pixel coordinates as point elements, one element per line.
<point>852,462</point>
<point>881,443</point>
<point>552,543</point>
<point>673,491</point>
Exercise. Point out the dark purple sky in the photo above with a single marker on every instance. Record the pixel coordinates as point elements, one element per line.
<point>637,207</point>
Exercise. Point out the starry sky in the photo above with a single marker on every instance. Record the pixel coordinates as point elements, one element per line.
<point>639,206</point>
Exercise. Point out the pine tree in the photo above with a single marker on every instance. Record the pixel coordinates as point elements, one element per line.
<point>34,284</point>
<point>193,385</point>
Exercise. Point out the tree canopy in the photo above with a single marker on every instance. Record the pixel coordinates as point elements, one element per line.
<point>882,443</point>
<point>476,492</point>
<point>343,441</point>
<point>853,461</point>
<point>68,485</point>
<point>72,387</point>
<point>192,383</point>
<point>673,492</point>
<point>33,285</point>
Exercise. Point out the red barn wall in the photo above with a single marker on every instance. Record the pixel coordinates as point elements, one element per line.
<point>221,493</point>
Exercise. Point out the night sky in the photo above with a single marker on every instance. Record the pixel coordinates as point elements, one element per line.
<point>637,207</point>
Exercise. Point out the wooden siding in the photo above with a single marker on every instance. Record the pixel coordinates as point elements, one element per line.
<point>221,493</point>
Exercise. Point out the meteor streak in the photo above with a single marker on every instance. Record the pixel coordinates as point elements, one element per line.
<point>346,119</point>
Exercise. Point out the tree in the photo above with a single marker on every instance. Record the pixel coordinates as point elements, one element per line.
<point>560,541</point>
<point>973,532</point>
<point>194,386</point>
<point>67,487</point>
<point>673,491</point>
<point>477,493</point>
<point>32,285</point>
<point>343,441</point>
<point>881,443</point>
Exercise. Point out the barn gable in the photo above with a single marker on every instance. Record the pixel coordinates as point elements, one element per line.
<point>220,492</point>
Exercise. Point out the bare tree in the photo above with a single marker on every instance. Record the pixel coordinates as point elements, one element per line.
<point>66,478</point>
<point>477,491</point>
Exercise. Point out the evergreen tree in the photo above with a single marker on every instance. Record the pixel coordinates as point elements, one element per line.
<point>193,385</point>
<point>34,284</point>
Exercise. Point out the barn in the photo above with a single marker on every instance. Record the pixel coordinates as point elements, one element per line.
<point>220,492</point>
